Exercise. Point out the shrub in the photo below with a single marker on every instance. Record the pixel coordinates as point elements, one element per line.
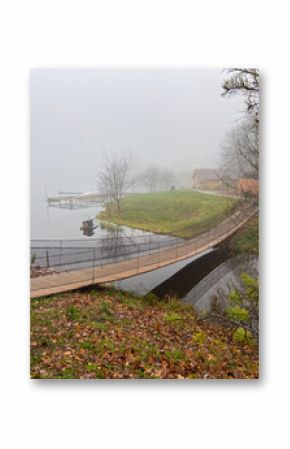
<point>241,310</point>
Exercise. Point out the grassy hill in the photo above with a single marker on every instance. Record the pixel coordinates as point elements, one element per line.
<point>180,213</point>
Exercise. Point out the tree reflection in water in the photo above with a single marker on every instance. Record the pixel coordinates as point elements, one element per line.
<point>117,243</point>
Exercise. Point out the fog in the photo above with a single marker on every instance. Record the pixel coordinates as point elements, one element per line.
<point>174,118</point>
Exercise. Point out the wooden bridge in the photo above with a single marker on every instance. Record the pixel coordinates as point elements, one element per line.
<point>65,281</point>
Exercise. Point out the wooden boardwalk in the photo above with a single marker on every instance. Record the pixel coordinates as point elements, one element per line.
<point>65,281</point>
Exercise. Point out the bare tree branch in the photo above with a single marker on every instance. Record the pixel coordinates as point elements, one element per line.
<point>115,178</point>
<point>245,82</point>
<point>150,178</point>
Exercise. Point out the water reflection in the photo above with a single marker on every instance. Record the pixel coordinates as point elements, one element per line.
<point>117,243</point>
<point>73,238</point>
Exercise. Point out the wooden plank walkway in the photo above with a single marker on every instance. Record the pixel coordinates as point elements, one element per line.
<point>65,281</point>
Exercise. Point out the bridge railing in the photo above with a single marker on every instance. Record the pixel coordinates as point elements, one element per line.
<point>139,252</point>
<point>66,255</point>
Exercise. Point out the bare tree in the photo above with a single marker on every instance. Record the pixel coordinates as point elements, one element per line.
<point>115,178</point>
<point>155,178</point>
<point>150,178</point>
<point>166,178</point>
<point>243,81</point>
<point>241,149</point>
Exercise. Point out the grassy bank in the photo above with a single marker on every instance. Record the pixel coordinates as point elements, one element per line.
<point>101,333</point>
<point>180,213</point>
<point>246,240</point>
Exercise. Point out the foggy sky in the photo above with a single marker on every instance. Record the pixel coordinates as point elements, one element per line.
<point>169,117</point>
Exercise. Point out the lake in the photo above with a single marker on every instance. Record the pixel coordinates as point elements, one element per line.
<point>64,223</point>
<point>65,237</point>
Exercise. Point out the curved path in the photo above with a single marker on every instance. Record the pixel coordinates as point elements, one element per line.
<point>65,281</point>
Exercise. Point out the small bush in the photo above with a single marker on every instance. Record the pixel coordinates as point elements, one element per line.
<point>241,335</point>
<point>241,310</point>
<point>238,313</point>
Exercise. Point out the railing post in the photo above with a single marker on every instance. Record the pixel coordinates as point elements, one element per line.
<point>94,262</point>
<point>47,258</point>
<point>60,253</point>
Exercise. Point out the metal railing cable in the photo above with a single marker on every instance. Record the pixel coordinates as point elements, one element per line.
<point>129,256</point>
<point>62,256</point>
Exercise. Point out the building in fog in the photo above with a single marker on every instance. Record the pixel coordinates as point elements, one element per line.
<point>213,179</point>
<point>205,178</point>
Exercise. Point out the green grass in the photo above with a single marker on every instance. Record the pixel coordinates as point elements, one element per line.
<point>246,240</point>
<point>181,213</point>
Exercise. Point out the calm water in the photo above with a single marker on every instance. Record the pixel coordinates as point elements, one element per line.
<point>62,239</point>
<point>60,223</point>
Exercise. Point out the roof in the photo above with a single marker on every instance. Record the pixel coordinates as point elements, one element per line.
<point>206,174</point>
